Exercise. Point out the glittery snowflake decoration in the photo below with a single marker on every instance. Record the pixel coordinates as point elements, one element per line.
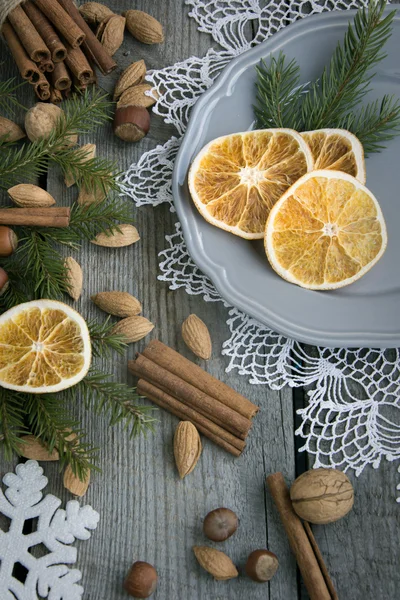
<point>34,565</point>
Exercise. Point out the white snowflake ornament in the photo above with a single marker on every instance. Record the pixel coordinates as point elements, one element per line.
<point>45,575</point>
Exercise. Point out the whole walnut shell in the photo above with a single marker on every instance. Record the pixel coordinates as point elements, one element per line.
<point>322,496</point>
<point>41,120</point>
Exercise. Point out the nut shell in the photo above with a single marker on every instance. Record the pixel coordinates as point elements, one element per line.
<point>10,130</point>
<point>220,524</point>
<point>41,119</point>
<point>127,235</point>
<point>4,282</point>
<point>187,448</point>
<point>322,496</point>
<point>113,34</point>
<point>144,27</point>
<point>141,581</point>
<point>197,337</point>
<point>133,329</point>
<point>73,484</point>
<point>131,123</point>
<point>217,563</point>
<point>119,304</point>
<point>8,241</point>
<point>136,96</point>
<point>133,75</point>
<point>94,12</point>
<point>261,565</point>
<point>74,277</point>
<point>29,195</point>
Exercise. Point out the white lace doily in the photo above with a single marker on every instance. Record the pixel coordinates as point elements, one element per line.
<point>352,416</point>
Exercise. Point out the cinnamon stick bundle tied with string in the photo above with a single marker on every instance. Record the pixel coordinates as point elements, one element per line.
<point>28,35</point>
<point>45,29</point>
<point>28,69</point>
<point>184,389</point>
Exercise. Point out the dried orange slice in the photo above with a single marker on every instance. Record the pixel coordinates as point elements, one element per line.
<point>236,179</point>
<point>325,232</point>
<point>337,149</point>
<point>44,347</point>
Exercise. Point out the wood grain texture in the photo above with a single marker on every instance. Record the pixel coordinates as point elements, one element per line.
<point>147,513</point>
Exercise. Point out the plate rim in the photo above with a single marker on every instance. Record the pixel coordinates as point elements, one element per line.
<point>216,272</point>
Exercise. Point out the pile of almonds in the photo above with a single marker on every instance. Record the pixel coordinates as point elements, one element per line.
<point>132,119</point>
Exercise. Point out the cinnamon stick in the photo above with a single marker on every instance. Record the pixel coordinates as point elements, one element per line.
<point>190,395</point>
<point>42,87</point>
<point>60,77</point>
<point>321,562</point>
<point>46,67</point>
<point>29,37</point>
<point>62,21</point>
<point>91,45</point>
<point>57,49</point>
<point>55,96</point>
<point>35,217</point>
<point>26,66</point>
<point>78,65</point>
<point>299,542</point>
<point>177,364</point>
<point>215,433</point>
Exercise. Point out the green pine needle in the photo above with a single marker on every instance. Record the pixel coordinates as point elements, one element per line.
<point>8,99</point>
<point>83,113</point>
<point>11,422</point>
<point>278,90</point>
<point>104,340</point>
<point>332,99</point>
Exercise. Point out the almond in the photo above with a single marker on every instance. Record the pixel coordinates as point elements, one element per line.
<point>89,197</point>
<point>133,75</point>
<point>87,152</point>
<point>28,195</point>
<point>119,304</point>
<point>197,337</point>
<point>135,96</point>
<point>74,277</point>
<point>215,562</point>
<point>126,235</point>
<point>94,12</point>
<point>74,484</point>
<point>34,449</point>
<point>133,329</point>
<point>187,448</point>
<point>144,27</point>
<point>10,131</point>
<point>113,34</point>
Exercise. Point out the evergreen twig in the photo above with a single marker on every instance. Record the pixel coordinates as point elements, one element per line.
<point>104,340</point>
<point>11,422</point>
<point>8,99</point>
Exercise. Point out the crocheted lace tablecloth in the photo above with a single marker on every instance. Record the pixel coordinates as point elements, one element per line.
<point>352,417</point>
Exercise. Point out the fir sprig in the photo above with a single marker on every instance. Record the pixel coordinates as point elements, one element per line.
<point>8,98</point>
<point>83,113</point>
<point>332,99</point>
<point>12,424</point>
<point>104,340</point>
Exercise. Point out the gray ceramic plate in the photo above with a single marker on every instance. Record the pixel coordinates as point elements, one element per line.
<point>363,314</point>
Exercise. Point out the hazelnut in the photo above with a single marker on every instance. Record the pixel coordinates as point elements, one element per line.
<point>220,524</point>
<point>3,281</point>
<point>41,119</point>
<point>322,496</point>
<point>131,123</point>
<point>141,581</point>
<point>261,565</point>
<point>8,241</point>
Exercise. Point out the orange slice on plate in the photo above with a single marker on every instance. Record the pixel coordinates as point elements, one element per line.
<point>337,149</point>
<point>325,232</point>
<point>44,347</point>
<point>236,179</point>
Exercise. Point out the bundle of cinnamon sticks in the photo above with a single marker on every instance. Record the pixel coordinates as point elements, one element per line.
<point>54,48</point>
<point>187,391</point>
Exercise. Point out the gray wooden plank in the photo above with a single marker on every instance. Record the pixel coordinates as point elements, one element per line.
<point>146,511</point>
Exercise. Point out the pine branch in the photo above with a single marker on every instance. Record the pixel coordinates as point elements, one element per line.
<point>87,221</point>
<point>117,400</point>
<point>7,94</point>
<point>49,421</point>
<point>346,81</point>
<point>83,114</point>
<point>278,93</point>
<point>103,340</point>
<point>43,266</point>
<point>376,123</point>
<point>93,174</point>
<point>11,421</point>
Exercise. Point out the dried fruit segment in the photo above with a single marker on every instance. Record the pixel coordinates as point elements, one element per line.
<point>338,150</point>
<point>325,232</point>
<point>236,179</point>
<point>44,347</point>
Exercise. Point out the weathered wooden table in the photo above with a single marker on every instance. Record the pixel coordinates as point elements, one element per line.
<point>147,513</point>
